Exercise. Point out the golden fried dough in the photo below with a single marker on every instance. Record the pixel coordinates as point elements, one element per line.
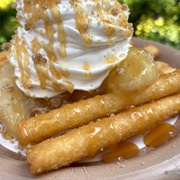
<point>87,140</point>
<point>76,114</point>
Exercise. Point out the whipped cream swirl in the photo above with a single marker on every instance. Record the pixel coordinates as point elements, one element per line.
<point>63,45</point>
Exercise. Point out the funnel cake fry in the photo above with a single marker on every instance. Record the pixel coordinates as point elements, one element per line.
<point>164,68</point>
<point>74,115</point>
<point>87,140</point>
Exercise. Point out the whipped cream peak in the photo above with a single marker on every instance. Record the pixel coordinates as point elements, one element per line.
<point>65,45</point>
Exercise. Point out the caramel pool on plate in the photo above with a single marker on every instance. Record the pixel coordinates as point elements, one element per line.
<point>154,138</point>
<point>160,135</point>
<point>124,150</point>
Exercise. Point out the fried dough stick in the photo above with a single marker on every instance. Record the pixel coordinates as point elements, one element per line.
<point>164,68</point>
<point>87,140</point>
<point>79,113</point>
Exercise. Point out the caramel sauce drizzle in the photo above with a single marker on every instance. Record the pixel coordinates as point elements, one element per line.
<point>160,135</point>
<point>44,76</point>
<point>86,67</point>
<point>109,29</point>
<point>64,72</point>
<point>55,11</point>
<point>56,86</point>
<point>55,73</point>
<point>42,72</point>
<point>36,45</point>
<point>69,86</point>
<point>111,59</point>
<point>82,22</point>
<point>26,63</point>
<point>24,69</point>
<point>37,9</point>
<point>109,21</point>
<point>48,27</point>
<point>125,150</point>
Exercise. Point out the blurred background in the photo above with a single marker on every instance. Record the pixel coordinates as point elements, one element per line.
<point>157,20</point>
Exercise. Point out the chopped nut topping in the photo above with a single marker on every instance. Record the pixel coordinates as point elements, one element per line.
<point>114,11</point>
<point>38,58</point>
<point>125,7</point>
<point>6,46</point>
<point>27,27</point>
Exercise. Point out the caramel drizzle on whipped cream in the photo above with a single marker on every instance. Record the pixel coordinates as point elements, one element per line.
<point>34,9</point>
<point>61,32</point>
<point>82,22</point>
<point>46,71</point>
<point>24,68</point>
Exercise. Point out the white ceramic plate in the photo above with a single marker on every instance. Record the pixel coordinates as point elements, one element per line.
<point>160,163</point>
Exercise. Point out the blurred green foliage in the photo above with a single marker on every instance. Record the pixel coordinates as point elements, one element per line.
<point>8,24</point>
<point>158,20</point>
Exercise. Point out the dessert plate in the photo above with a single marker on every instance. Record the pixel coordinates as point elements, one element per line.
<point>160,163</point>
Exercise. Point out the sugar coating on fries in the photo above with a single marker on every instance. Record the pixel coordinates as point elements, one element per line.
<point>87,140</point>
<point>73,115</point>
